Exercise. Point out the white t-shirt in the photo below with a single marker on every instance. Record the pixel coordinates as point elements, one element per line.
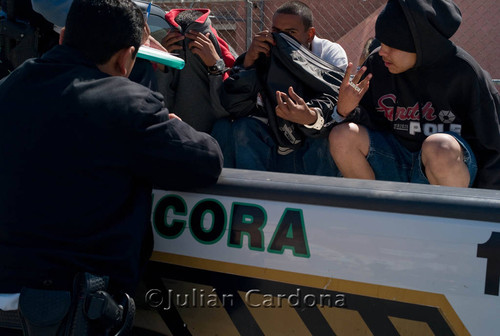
<point>9,301</point>
<point>330,52</point>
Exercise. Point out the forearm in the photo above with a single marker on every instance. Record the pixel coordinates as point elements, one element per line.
<point>324,107</point>
<point>172,154</point>
<point>215,85</point>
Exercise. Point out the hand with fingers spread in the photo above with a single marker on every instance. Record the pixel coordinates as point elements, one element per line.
<point>351,92</point>
<point>202,46</point>
<point>170,42</point>
<point>293,108</point>
<point>261,43</point>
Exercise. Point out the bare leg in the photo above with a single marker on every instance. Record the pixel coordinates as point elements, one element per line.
<point>349,146</point>
<point>443,160</point>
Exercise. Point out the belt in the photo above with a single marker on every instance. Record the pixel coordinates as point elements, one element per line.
<point>52,312</point>
<point>10,319</point>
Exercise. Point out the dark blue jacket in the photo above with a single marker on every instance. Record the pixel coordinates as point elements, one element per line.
<point>79,154</point>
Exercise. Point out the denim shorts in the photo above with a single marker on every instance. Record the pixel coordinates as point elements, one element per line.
<point>391,161</point>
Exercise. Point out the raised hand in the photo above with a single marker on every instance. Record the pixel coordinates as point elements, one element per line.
<point>202,46</point>
<point>261,43</point>
<point>169,42</point>
<point>293,108</point>
<point>351,92</point>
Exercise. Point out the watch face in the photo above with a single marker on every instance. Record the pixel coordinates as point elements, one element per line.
<point>220,65</point>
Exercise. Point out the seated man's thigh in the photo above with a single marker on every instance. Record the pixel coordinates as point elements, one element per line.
<point>222,131</point>
<point>255,147</point>
<point>314,158</point>
<point>389,160</point>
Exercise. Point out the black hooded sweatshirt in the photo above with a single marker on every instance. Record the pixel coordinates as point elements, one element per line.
<point>447,90</point>
<point>191,93</point>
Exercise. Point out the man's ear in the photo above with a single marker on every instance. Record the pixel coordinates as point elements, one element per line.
<point>61,35</point>
<point>120,64</point>
<point>124,61</point>
<point>311,32</point>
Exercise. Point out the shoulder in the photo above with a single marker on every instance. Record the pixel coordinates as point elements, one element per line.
<point>469,72</point>
<point>463,58</point>
<point>121,92</point>
<point>115,101</point>
<point>324,43</point>
<point>330,52</point>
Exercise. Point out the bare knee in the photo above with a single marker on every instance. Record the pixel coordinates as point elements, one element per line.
<point>348,136</point>
<point>441,150</point>
<point>443,160</point>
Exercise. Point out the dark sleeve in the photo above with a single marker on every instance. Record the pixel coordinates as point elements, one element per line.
<point>238,93</point>
<point>215,83</point>
<point>484,134</point>
<point>170,154</point>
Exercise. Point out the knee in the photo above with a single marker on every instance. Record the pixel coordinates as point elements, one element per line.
<point>441,150</point>
<point>345,136</point>
<point>339,133</point>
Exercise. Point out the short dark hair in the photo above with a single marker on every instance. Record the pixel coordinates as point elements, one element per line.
<point>186,17</point>
<point>100,28</point>
<point>297,8</point>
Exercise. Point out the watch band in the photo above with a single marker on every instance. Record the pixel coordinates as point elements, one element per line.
<point>218,68</point>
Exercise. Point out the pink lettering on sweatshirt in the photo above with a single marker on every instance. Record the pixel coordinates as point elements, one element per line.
<point>386,106</point>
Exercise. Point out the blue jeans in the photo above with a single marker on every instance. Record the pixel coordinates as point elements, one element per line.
<point>391,161</point>
<point>222,131</point>
<point>254,148</point>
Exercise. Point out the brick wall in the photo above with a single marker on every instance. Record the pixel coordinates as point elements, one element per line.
<point>351,23</point>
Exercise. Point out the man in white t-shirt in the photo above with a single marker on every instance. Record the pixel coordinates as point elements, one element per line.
<point>295,19</point>
<point>249,142</point>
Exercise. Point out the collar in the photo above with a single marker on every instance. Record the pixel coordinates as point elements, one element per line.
<point>67,55</point>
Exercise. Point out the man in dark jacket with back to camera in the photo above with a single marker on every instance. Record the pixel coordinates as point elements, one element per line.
<point>81,148</point>
<point>430,113</point>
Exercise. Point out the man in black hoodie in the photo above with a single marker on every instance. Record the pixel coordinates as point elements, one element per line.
<point>426,112</point>
<point>193,92</point>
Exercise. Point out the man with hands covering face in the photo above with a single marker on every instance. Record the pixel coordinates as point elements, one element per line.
<point>193,92</point>
<point>295,140</point>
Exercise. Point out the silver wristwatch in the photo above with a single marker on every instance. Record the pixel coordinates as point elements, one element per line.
<point>218,68</point>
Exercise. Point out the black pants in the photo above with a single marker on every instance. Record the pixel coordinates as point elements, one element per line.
<point>10,332</point>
